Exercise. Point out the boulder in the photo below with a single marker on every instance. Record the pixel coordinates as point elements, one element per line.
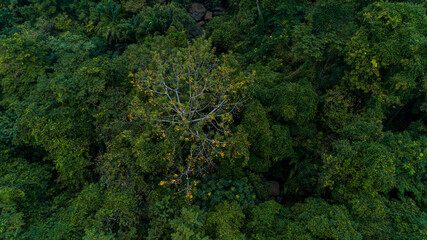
<point>274,188</point>
<point>198,11</point>
<point>218,11</point>
<point>208,16</point>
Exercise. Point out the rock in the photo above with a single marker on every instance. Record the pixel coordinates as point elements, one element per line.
<point>218,11</point>
<point>274,188</point>
<point>201,23</point>
<point>208,16</point>
<point>198,11</point>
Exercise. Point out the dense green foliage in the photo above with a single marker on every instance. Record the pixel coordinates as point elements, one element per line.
<point>291,119</point>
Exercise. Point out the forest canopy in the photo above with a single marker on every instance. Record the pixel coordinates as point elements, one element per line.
<point>213,119</point>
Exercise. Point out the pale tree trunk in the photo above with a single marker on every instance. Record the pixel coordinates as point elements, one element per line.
<point>259,9</point>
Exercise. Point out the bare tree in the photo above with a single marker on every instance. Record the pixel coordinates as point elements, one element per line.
<point>191,98</point>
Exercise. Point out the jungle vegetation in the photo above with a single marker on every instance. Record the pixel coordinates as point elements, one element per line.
<point>266,120</point>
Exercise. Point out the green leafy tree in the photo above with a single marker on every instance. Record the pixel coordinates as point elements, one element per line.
<point>58,113</point>
<point>317,219</point>
<point>359,168</point>
<point>189,225</point>
<point>385,63</point>
<point>214,190</point>
<point>267,221</point>
<point>225,221</point>
<point>24,191</point>
<point>23,60</point>
<point>269,143</point>
<point>410,155</point>
<point>161,213</point>
<point>160,19</point>
<point>110,25</point>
